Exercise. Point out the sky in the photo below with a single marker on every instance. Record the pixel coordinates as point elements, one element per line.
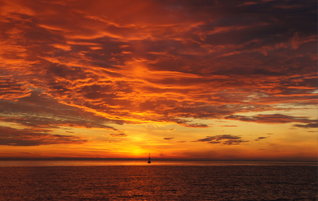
<point>179,79</point>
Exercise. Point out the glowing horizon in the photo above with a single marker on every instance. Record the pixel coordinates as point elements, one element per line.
<point>220,80</point>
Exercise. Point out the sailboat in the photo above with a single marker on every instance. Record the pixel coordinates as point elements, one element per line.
<point>149,159</point>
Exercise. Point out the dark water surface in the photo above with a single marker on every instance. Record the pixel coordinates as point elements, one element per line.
<point>232,182</point>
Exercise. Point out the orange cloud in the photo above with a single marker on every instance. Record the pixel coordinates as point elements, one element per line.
<point>88,65</point>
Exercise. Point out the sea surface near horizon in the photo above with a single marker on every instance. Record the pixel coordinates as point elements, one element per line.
<point>160,180</point>
<point>30,163</point>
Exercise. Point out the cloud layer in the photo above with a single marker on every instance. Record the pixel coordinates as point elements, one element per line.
<point>27,137</point>
<point>88,65</point>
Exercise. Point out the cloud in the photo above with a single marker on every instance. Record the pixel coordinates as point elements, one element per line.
<point>272,119</point>
<point>233,142</point>
<point>38,110</point>
<point>12,90</point>
<point>28,137</point>
<point>224,139</point>
<point>309,125</point>
<point>118,135</point>
<point>260,138</point>
<point>168,138</point>
<point>197,125</point>
<point>218,137</point>
<point>86,65</point>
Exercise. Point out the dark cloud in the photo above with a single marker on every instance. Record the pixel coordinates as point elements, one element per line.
<point>168,138</point>
<point>233,142</point>
<point>197,125</point>
<point>39,110</point>
<point>28,137</point>
<point>271,119</point>
<point>218,137</point>
<point>224,139</point>
<point>118,135</point>
<point>11,90</point>
<point>309,125</point>
<point>214,142</point>
<point>260,138</point>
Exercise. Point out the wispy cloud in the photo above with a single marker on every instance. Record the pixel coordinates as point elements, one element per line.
<point>28,137</point>
<point>168,138</point>
<point>118,135</point>
<point>274,119</point>
<point>43,111</point>
<point>260,138</point>
<point>224,139</point>
<point>308,125</point>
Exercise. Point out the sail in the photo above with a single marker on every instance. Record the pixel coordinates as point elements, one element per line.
<point>149,159</point>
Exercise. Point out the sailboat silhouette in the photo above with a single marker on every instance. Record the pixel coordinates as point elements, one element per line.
<point>149,159</point>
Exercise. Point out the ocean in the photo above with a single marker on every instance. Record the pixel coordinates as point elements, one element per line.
<point>161,180</point>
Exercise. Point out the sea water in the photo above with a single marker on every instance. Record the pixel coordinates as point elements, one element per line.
<point>137,180</point>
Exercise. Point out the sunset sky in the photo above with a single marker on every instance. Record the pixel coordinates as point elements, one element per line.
<point>209,79</point>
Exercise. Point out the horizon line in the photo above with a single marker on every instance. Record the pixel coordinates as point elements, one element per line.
<point>138,159</point>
